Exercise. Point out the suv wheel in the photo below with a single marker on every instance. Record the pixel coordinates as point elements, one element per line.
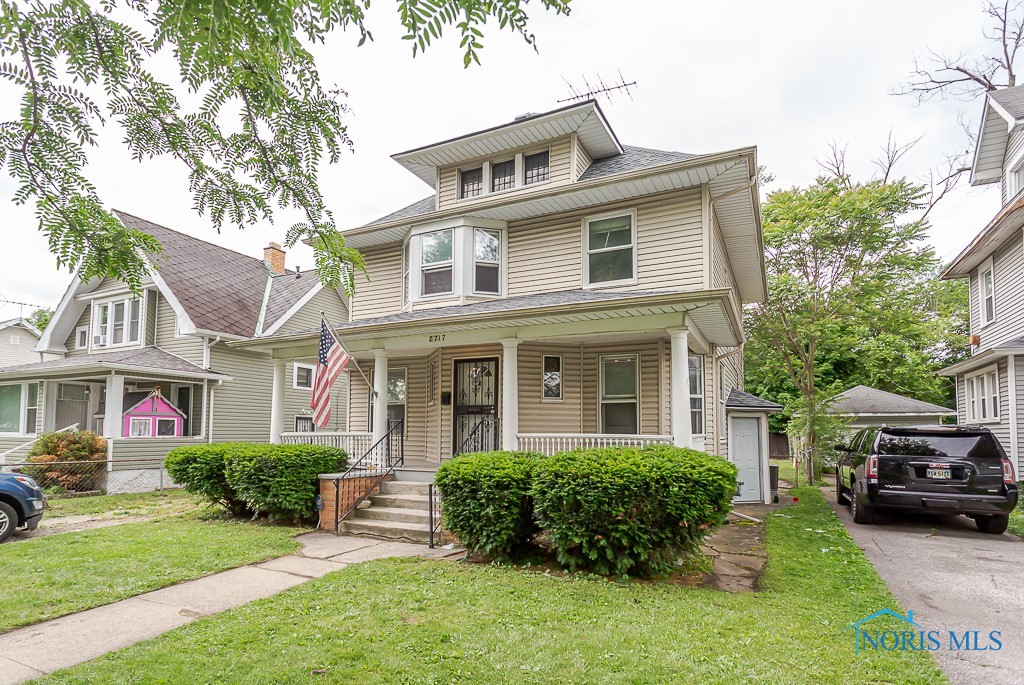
<point>8,521</point>
<point>861,513</point>
<point>994,525</point>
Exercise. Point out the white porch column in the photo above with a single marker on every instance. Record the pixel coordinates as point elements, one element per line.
<point>277,401</point>
<point>682,431</point>
<point>509,393</point>
<point>380,387</point>
<point>113,407</point>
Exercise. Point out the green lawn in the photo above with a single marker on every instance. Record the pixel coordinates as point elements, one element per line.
<point>60,574</point>
<point>117,506</point>
<point>1017,520</point>
<point>416,621</point>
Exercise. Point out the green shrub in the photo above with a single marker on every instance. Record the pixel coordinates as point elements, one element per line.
<point>200,469</point>
<point>68,446</point>
<point>630,511</point>
<point>280,480</point>
<point>487,502</point>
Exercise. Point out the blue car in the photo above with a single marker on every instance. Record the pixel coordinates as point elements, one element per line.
<point>21,504</point>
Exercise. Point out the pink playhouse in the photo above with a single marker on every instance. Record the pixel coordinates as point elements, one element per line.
<point>149,415</point>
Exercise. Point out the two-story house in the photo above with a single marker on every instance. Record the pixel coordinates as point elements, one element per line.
<point>556,289</point>
<point>990,384</point>
<point>18,339</point>
<point>152,370</point>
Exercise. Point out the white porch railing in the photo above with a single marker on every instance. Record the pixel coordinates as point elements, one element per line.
<point>355,444</point>
<point>552,443</point>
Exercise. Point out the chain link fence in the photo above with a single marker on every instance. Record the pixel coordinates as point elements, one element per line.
<point>76,478</point>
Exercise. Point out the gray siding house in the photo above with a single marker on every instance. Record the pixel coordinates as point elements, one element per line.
<point>105,343</point>
<point>990,384</point>
<point>556,288</point>
<point>18,340</point>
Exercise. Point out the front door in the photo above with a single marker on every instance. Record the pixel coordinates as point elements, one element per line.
<point>475,405</point>
<point>745,451</point>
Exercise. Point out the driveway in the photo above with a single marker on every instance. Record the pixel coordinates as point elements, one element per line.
<point>953,578</point>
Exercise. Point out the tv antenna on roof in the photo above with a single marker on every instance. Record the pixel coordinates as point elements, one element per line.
<point>599,89</point>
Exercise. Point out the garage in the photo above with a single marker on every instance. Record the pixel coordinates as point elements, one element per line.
<point>747,419</point>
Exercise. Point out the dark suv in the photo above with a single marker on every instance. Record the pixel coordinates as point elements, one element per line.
<point>21,504</point>
<point>934,469</point>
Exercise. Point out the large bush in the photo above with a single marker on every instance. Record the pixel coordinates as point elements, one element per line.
<point>280,480</point>
<point>487,502</point>
<point>630,511</point>
<point>81,457</point>
<point>248,478</point>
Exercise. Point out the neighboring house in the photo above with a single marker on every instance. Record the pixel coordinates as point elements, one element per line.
<point>18,339</point>
<point>115,351</point>
<point>556,289</point>
<point>865,406</point>
<point>990,384</point>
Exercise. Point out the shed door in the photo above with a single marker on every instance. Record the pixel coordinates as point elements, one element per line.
<point>745,451</point>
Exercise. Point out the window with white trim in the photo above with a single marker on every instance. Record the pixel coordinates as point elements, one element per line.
<point>503,175</point>
<point>166,428</point>
<point>551,378</point>
<point>117,322</point>
<point>436,262</point>
<point>696,371</point>
<point>471,182</point>
<point>981,393</point>
<point>140,428</point>
<point>610,244</point>
<point>619,392</point>
<point>987,293</point>
<point>82,338</point>
<point>487,261</point>
<point>19,407</point>
<point>302,376</point>
<point>536,167</point>
<point>396,398</point>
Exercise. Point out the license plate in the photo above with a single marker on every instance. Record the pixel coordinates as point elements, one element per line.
<point>940,473</point>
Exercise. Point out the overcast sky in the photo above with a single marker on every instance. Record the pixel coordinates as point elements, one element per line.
<point>787,77</point>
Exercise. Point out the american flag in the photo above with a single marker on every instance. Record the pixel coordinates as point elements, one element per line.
<point>332,359</point>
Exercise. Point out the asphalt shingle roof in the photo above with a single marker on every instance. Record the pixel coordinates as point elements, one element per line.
<point>285,291</point>
<point>418,208</point>
<point>1010,99</point>
<point>221,290</point>
<point>149,358</point>
<point>744,400</point>
<point>865,400</point>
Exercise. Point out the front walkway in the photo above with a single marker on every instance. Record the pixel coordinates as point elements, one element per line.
<point>43,648</point>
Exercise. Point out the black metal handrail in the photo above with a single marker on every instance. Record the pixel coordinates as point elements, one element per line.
<point>378,462</point>
<point>434,513</point>
<point>483,438</point>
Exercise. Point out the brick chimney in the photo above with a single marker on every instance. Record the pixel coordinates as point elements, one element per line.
<point>273,257</point>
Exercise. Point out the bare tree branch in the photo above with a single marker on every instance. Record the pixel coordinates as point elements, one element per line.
<point>835,163</point>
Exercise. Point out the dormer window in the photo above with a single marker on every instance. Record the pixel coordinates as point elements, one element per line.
<point>503,176</point>
<point>116,322</point>
<point>536,168</point>
<point>471,182</point>
<point>436,262</point>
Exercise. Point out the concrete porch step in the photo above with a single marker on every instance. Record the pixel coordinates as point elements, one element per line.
<point>415,474</point>
<point>405,487</point>
<point>392,514</point>
<point>395,530</point>
<point>400,501</point>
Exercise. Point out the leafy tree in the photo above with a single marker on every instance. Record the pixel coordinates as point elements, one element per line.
<point>40,317</point>
<point>263,125</point>
<point>853,297</point>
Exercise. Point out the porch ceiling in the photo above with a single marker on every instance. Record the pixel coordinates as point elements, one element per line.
<point>135,362</point>
<point>712,315</point>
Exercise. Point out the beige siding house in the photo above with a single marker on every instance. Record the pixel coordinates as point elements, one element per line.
<point>990,384</point>
<point>105,344</point>
<point>555,289</point>
<point>18,339</point>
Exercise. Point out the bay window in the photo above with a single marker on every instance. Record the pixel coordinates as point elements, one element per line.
<point>487,248</point>
<point>610,249</point>
<point>436,262</point>
<point>619,392</point>
<point>117,322</point>
<point>19,408</point>
<point>982,395</point>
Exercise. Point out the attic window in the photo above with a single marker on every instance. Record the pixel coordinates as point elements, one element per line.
<point>471,182</point>
<point>536,168</point>
<point>503,176</point>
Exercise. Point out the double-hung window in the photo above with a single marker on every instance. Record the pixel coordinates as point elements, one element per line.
<point>486,261</point>
<point>536,168</point>
<point>619,392</point>
<point>696,370</point>
<point>471,182</point>
<point>117,322</point>
<point>611,249</point>
<point>987,290</point>
<point>19,408</point>
<point>436,262</point>
<point>982,395</point>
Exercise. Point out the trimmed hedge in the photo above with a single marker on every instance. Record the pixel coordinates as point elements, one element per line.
<point>629,511</point>
<point>487,502</point>
<point>279,481</point>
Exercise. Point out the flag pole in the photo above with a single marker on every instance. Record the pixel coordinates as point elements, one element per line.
<point>330,329</point>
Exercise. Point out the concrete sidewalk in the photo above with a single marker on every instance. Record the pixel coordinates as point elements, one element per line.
<point>43,648</point>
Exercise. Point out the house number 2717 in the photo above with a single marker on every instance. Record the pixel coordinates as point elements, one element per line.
<point>436,337</point>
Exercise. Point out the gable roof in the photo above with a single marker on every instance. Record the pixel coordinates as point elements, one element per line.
<point>1002,112</point>
<point>744,400</point>
<point>865,400</point>
<point>133,399</point>
<point>23,323</point>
